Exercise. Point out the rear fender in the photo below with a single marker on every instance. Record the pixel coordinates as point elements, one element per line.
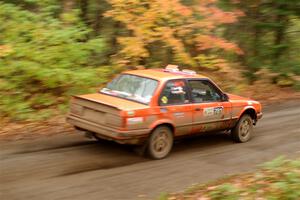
<point>160,122</point>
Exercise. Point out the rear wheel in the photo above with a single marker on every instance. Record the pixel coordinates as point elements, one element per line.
<point>160,142</point>
<point>96,137</point>
<point>243,130</point>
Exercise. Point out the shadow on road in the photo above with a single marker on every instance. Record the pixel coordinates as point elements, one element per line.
<point>112,155</point>
<point>73,154</point>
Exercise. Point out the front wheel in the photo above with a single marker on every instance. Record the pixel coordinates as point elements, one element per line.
<point>243,130</point>
<point>160,142</point>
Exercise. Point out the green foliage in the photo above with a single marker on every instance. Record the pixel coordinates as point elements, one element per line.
<point>275,180</point>
<point>225,192</point>
<point>51,49</point>
<point>163,196</point>
<point>43,61</point>
<point>274,164</point>
<point>269,35</point>
<point>297,86</point>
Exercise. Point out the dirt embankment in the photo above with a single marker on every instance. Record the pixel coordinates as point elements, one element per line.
<point>21,130</point>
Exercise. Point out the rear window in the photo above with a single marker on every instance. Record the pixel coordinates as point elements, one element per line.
<point>132,87</point>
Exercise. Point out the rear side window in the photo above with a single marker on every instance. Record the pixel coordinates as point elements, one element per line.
<point>204,91</point>
<point>174,93</point>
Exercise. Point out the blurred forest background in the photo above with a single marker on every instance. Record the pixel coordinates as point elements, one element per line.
<point>51,49</point>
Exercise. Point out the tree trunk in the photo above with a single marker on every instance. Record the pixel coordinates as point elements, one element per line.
<point>68,5</point>
<point>168,56</point>
<point>282,21</point>
<point>257,32</point>
<point>84,4</point>
<point>98,20</point>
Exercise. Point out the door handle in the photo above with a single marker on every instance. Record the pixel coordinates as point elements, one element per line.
<point>198,109</point>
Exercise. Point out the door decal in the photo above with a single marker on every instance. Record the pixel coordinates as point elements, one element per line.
<point>211,111</point>
<point>208,111</point>
<point>164,99</point>
<point>218,110</point>
<point>179,114</point>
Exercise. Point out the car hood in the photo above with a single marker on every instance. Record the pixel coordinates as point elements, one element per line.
<point>236,97</point>
<point>116,102</point>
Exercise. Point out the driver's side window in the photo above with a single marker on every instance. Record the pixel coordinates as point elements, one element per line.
<point>204,91</point>
<point>174,93</point>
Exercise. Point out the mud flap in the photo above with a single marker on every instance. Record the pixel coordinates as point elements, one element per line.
<point>87,134</point>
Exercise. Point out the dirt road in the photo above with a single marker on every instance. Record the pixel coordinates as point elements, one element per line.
<point>72,167</point>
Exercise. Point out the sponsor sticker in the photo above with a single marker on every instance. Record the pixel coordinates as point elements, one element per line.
<point>213,111</point>
<point>164,99</point>
<point>134,120</point>
<point>130,113</point>
<point>218,110</point>
<point>208,111</point>
<point>163,110</point>
<point>179,114</point>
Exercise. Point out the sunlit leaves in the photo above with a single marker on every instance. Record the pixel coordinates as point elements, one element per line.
<point>188,30</point>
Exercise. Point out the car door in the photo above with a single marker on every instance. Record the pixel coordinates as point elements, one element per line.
<point>211,111</point>
<point>176,106</point>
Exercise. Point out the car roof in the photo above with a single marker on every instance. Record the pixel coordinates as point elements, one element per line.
<point>162,75</point>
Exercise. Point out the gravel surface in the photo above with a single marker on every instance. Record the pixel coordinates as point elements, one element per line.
<point>69,166</point>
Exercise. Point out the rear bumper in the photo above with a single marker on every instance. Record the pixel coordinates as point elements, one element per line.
<point>123,137</point>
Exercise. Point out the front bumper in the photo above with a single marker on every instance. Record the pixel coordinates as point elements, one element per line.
<point>108,133</point>
<point>259,115</point>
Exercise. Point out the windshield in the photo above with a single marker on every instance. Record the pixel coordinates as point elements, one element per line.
<point>131,87</point>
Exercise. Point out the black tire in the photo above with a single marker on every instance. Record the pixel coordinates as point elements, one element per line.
<point>160,142</point>
<point>140,149</point>
<point>243,130</point>
<point>97,137</point>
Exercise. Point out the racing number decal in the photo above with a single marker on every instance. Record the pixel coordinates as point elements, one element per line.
<point>218,110</point>
<point>213,111</point>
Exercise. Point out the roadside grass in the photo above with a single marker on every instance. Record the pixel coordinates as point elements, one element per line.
<point>278,179</point>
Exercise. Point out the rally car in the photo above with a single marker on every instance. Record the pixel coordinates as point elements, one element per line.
<point>152,107</point>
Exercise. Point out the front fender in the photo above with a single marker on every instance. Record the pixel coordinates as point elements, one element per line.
<point>249,107</point>
<point>246,108</point>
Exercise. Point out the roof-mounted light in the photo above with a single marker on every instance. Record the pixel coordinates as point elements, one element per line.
<point>172,68</point>
<point>175,69</point>
<point>189,72</point>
